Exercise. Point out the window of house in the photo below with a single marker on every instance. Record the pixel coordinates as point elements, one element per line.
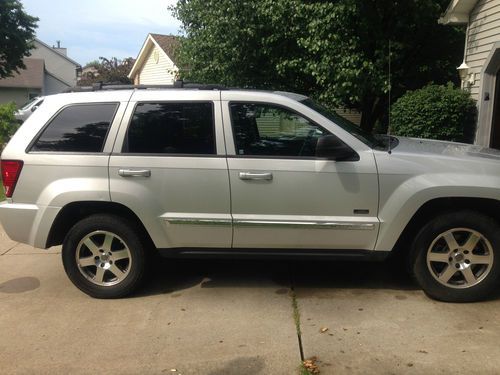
<point>172,128</point>
<point>77,128</point>
<point>269,130</point>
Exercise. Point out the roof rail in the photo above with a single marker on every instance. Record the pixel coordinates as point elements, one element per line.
<point>179,84</point>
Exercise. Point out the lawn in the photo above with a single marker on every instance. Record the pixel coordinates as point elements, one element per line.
<point>2,194</point>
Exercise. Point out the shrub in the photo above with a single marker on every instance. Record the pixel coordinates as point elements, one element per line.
<point>8,123</point>
<point>436,112</point>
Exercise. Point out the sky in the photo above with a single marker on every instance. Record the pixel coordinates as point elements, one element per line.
<point>93,28</point>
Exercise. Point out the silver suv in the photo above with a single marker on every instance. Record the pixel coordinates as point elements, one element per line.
<point>115,173</point>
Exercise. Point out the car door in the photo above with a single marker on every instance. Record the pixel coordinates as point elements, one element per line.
<point>169,167</point>
<point>282,195</point>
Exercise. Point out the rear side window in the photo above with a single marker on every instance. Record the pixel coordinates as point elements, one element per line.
<point>171,128</point>
<point>77,128</point>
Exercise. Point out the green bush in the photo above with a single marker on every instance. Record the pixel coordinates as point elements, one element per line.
<point>435,112</point>
<point>8,123</point>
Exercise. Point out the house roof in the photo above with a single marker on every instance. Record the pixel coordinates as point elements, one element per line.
<point>166,43</point>
<point>457,12</point>
<point>31,77</point>
<point>169,44</point>
<point>57,52</point>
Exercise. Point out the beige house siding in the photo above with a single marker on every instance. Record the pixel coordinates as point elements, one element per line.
<point>483,33</point>
<point>57,64</point>
<point>18,95</point>
<point>158,69</point>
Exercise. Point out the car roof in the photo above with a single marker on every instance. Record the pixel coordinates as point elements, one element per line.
<point>99,87</point>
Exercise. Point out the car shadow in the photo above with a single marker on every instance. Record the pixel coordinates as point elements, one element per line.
<point>173,275</point>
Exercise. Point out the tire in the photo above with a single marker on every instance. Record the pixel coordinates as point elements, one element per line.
<point>456,257</point>
<point>104,256</point>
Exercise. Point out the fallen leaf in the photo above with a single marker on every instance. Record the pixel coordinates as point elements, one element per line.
<point>311,366</point>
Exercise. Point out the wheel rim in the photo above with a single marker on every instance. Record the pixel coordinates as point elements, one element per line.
<point>103,258</point>
<point>460,258</point>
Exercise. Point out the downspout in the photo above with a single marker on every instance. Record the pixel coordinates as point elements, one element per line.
<point>463,84</point>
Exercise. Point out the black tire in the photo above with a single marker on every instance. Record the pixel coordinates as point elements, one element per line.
<point>427,271</point>
<point>125,237</point>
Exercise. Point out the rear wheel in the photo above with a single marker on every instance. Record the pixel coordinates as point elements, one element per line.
<point>104,257</point>
<point>456,257</point>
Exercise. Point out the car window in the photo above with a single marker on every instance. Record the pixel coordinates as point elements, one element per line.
<point>171,128</point>
<point>28,103</point>
<point>77,128</point>
<point>269,130</point>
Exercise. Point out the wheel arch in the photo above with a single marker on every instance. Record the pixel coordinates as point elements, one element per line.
<point>73,212</point>
<point>437,206</point>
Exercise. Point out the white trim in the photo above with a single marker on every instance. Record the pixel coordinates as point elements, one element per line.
<point>457,12</point>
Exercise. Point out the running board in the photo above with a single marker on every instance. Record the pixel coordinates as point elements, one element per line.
<point>319,254</point>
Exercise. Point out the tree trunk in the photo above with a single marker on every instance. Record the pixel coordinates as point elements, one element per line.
<point>372,110</point>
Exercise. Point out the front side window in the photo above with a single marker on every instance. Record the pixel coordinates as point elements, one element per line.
<point>268,130</point>
<point>171,128</point>
<point>77,128</point>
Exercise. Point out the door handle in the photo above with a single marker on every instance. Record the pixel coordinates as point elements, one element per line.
<point>134,172</point>
<point>256,176</point>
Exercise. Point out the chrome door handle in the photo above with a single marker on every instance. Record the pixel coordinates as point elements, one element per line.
<point>256,176</point>
<point>134,172</point>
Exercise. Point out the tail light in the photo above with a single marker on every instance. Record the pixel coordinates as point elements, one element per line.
<point>11,169</point>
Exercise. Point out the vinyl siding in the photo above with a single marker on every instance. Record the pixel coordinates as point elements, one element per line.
<point>55,63</point>
<point>484,31</point>
<point>157,73</point>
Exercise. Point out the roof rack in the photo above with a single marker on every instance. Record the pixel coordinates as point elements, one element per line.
<point>179,84</point>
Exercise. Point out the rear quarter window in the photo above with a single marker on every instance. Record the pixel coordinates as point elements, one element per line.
<point>77,128</point>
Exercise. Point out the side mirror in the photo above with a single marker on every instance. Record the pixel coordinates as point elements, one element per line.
<point>34,108</point>
<point>330,147</point>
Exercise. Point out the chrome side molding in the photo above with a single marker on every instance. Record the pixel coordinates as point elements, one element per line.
<point>198,221</point>
<point>305,224</point>
<point>272,223</point>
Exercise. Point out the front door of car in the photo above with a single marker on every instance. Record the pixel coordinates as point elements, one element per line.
<point>282,195</point>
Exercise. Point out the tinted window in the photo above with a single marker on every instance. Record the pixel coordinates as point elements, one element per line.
<point>263,129</point>
<point>78,128</point>
<point>171,128</point>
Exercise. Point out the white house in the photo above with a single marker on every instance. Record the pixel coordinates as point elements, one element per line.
<point>48,71</point>
<point>155,64</point>
<point>480,69</point>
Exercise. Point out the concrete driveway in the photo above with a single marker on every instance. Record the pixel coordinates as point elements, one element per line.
<point>237,317</point>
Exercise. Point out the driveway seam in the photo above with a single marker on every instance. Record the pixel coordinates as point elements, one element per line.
<point>10,248</point>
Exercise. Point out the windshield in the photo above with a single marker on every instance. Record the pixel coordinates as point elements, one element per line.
<point>28,103</point>
<point>345,124</point>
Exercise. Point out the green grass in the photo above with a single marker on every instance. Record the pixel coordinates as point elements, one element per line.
<point>2,194</point>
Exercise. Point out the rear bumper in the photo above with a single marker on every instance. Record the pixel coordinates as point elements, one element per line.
<point>27,223</point>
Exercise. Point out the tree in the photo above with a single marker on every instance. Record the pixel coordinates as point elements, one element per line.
<point>335,51</point>
<point>17,32</point>
<point>106,70</point>
<point>8,123</point>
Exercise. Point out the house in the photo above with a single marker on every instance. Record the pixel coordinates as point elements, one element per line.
<point>156,62</point>
<point>480,69</point>
<point>48,71</point>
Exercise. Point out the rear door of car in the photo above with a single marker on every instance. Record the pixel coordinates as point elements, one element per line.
<point>169,167</point>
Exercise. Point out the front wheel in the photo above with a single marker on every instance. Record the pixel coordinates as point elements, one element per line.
<point>456,257</point>
<point>104,257</point>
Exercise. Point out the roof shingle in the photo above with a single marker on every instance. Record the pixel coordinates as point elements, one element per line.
<point>31,77</point>
<point>168,44</point>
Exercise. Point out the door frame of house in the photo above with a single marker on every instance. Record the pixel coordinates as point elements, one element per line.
<point>487,99</point>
